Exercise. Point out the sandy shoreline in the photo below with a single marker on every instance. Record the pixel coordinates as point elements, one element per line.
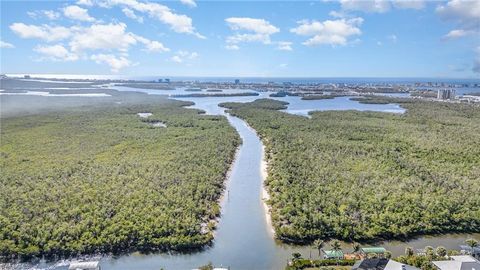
<point>264,194</point>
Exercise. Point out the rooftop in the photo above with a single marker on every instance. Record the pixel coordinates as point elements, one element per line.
<point>371,264</point>
<point>373,250</point>
<point>458,263</point>
<point>333,253</point>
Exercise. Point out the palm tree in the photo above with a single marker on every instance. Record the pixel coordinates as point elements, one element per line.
<point>472,243</point>
<point>318,244</point>
<point>336,248</point>
<point>296,256</point>
<point>356,247</point>
<point>409,251</point>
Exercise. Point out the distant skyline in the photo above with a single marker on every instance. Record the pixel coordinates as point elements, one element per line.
<point>345,38</point>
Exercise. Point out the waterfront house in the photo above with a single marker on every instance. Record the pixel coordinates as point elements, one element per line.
<point>89,265</point>
<point>458,263</point>
<point>381,264</point>
<point>378,251</point>
<point>333,254</point>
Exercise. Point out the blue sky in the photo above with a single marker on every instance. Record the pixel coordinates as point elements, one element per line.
<point>345,38</point>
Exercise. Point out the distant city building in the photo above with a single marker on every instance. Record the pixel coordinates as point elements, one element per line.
<point>26,76</point>
<point>160,80</point>
<point>237,81</point>
<point>446,94</point>
<point>167,80</point>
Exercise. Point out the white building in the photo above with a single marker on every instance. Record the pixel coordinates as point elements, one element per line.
<point>463,262</point>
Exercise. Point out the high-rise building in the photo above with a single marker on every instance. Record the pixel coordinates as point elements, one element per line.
<point>446,94</point>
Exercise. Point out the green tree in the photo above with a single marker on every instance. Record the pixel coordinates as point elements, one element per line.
<point>356,247</point>
<point>441,251</point>
<point>336,248</point>
<point>430,252</point>
<point>318,244</point>
<point>453,252</point>
<point>296,256</point>
<point>409,251</point>
<point>372,255</point>
<point>208,266</point>
<point>472,243</point>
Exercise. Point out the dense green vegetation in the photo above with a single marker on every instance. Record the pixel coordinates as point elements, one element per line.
<point>372,100</point>
<point>367,175</point>
<point>288,93</point>
<point>148,85</point>
<point>321,96</point>
<point>300,263</point>
<point>243,94</point>
<point>424,93</point>
<point>100,179</point>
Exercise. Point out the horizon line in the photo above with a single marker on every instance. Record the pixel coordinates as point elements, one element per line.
<point>240,77</point>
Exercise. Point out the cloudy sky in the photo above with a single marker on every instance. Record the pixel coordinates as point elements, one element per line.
<point>345,38</point>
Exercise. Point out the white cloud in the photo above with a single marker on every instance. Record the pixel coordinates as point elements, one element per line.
<point>178,22</point>
<point>183,56</point>
<point>56,53</point>
<point>130,14</point>
<point>380,6</point>
<point>85,2</point>
<point>95,37</point>
<point>466,14</point>
<point>232,47</point>
<point>103,36</point>
<point>49,14</point>
<point>177,59</point>
<point>283,65</point>
<point>393,38</point>
<point>257,30</point>
<point>284,46</point>
<point>115,63</point>
<point>190,3</point>
<point>259,26</point>
<point>52,15</point>
<point>82,41</point>
<point>45,32</point>
<point>6,45</point>
<point>337,14</point>
<point>457,33</point>
<point>331,32</point>
<point>409,4</point>
<point>152,45</point>
<point>77,13</point>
